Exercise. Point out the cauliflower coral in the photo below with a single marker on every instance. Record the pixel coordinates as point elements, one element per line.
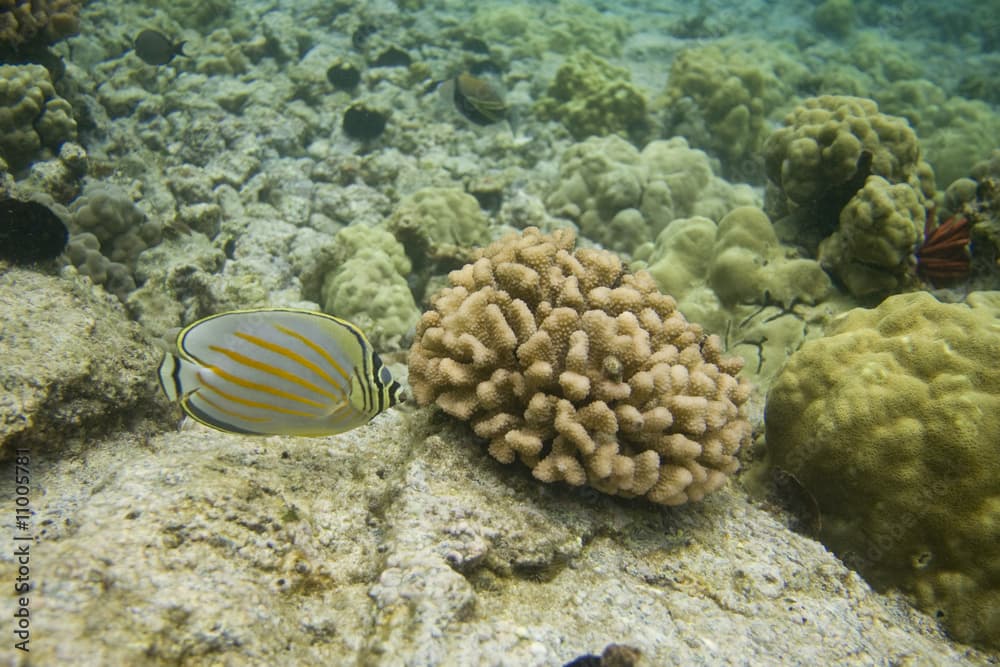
<point>583,371</point>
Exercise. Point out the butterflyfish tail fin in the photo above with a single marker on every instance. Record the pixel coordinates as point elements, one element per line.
<point>177,376</point>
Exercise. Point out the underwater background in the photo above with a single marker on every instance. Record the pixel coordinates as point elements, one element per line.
<point>816,185</point>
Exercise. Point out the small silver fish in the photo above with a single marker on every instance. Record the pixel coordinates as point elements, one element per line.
<point>277,371</point>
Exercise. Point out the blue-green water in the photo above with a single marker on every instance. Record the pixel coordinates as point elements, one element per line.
<point>771,165</point>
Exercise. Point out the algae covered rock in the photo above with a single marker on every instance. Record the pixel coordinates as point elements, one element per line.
<point>196,14</point>
<point>72,362</point>
<point>891,424</point>
<point>387,544</point>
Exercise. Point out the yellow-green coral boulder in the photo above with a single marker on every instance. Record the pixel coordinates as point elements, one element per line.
<point>531,30</point>
<point>436,224</point>
<point>740,259</point>
<point>364,280</point>
<point>880,228</point>
<point>824,140</point>
<point>892,424</point>
<point>34,120</point>
<point>750,266</point>
<point>368,291</point>
<point>735,279</point>
<point>622,198</point>
<point>592,97</point>
<point>720,99</point>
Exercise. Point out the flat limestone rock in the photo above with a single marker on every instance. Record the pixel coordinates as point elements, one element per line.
<point>403,543</point>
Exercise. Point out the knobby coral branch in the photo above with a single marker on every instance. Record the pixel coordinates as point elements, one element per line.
<point>582,371</point>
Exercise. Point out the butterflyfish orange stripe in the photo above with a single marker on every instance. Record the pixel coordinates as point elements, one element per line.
<point>289,354</point>
<point>272,370</point>
<point>263,388</point>
<point>232,398</point>
<point>227,411</point>
<point>320,351</point>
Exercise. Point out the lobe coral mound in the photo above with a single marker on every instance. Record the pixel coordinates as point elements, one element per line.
<point>583,371</point>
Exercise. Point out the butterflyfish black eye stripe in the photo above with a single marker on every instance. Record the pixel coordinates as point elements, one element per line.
<point>377,387</point>
<point>168,376</point>
<point>277,371</point>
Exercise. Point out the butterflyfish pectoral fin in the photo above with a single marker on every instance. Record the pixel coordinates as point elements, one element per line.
<point>277,372</point>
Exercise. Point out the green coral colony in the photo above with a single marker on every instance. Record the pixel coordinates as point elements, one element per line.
<point>913,387</point>
<point>793,236</point>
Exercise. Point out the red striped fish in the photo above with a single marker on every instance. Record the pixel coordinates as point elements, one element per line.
<point>277,371</point>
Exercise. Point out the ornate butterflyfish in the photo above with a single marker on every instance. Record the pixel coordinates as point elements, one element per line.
<point>277,371</point>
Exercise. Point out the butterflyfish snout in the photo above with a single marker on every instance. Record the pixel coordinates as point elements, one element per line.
<point>277,371</point>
